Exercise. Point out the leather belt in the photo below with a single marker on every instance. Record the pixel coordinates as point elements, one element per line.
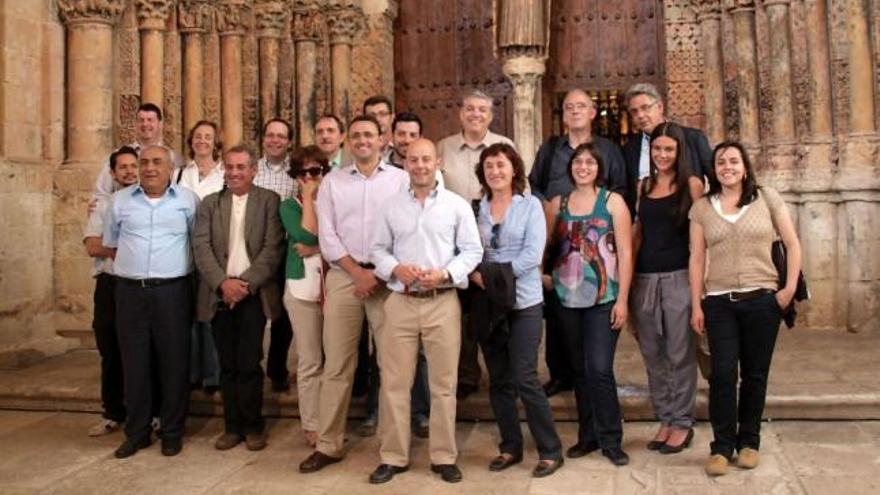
<point>427,294</point>
<point>745,296</point>
<point>147,283</point>
<point>367,266</point>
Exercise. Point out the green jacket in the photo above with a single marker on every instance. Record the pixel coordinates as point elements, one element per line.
<point>291,217</point>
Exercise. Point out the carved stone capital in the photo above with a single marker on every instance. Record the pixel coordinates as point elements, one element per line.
<point>307,24</point>
<point>345,20</point>
<point>524,68</point>
<point>735,6</point>
<point>194,16</point>
<point>152,14</point>
<point>231,17</point>
<point>90,11</point>
<point>708,10</point>
<point>273,17</point>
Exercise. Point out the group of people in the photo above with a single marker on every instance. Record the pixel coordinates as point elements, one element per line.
<point>381,250</point>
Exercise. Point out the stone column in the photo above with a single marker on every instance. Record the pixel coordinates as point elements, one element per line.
<point>272,21</point>
<point>743,14</point>
<point>525,74</point>
<point>713,70</point>
<point>817,48</point>
<point>861,79</point>
<point>231,26</point>
<point>306,34</point>
<point>782,125</point>
<point>193,19</point>
<point>152,15</point>
<point>344,21</point>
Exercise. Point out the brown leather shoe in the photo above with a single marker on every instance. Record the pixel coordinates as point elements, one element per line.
<point>227,441</point>
<point>255,441</point>
<point>316,462</point>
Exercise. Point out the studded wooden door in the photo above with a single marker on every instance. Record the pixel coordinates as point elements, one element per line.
<point>602,47</point>
<point>442,49</point>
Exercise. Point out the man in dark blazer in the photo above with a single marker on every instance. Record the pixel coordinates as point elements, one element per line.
<point>646,111</point>
<point>237,246</point>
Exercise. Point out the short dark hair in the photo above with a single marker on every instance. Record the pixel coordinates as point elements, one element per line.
<point>593,150</point>
<point>150,107</point>
<point>519,168</point>
<point>125,150</point>
<point>218,142</point>
<point>406,117</point>
<point>243,148</point>
<point>281,121</point>
<point>365,118</point>
<point>333,118</point>
<point>376,100</point>
<point>750,185</point>
<point>305,155</point>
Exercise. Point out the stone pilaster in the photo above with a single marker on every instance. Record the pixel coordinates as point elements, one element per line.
<point>743,14</point>
<point>782,124</point>
<point>344,20</point>
<point>307,21</point>
<point>193,18</point>
<point>525,74</point>
<point>152,16</point>
<point>818,56</point>
<point>272,23</point>
<point>861,79</point>
<point>231,24</point>
<point>713,71</point>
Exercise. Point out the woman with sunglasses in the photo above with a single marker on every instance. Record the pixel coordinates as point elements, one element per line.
<point>660,302</point>
<point>736,297</point>
<point>591,234</point>
<point>302,293</point>
<point>512,231</point>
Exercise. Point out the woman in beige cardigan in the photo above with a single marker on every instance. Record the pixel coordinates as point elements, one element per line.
<point>736,298</point>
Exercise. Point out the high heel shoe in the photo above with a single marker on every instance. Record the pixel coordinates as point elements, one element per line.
<point>674,449</point>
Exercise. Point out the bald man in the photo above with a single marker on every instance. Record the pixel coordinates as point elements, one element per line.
<point>426,243</point>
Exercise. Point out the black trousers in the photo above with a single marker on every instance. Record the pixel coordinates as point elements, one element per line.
<point>512,361</point>
<point>469,372</point>
<point>280,337</point>
<point>238,334</point>
<point>741,335</point>
<point>155,318</point>
<point>556,350</point>
<point>104,325</point>
<point>593,343</point>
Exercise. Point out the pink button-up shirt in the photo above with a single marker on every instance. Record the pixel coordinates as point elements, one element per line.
<point>349,206</point>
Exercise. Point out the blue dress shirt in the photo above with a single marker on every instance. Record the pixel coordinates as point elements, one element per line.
<point>151,240</point>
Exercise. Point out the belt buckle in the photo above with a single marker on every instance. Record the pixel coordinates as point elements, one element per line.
<point>731,296</point>
<point>143,283</point>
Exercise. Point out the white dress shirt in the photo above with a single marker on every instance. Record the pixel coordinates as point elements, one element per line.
<point>238,261</point>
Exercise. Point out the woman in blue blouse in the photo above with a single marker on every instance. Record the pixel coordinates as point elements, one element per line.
<point>513,233</point>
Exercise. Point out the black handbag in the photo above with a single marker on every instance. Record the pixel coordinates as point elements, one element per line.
<point>801,292</point>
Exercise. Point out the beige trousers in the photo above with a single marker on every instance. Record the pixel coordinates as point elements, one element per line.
<point>306,319</point>
<point>343,320</point>
<point>436,322</point>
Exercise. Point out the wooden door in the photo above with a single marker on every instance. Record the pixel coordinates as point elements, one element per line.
<point>602,47</point>
<point>442,49</point>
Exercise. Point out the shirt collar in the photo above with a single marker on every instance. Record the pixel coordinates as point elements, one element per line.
<point>283,167</point>
<point>138,189</point>
<point>462,144</point>
<point>352,167</point>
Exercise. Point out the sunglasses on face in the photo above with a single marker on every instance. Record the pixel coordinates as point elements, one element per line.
<point>314,172</point>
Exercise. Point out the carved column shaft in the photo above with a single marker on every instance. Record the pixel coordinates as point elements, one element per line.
<point>743,13</point>
<point>271,21</point>
<point>306,33</point>
<point>525,74</point>
<point>344,24</point>
<point>817,48</point>
<point>193,19</point>
<point>713,70</point>
<point>782,127</point>
<point>861,81</point>
<point>151,23</point>
<point>230,25</point>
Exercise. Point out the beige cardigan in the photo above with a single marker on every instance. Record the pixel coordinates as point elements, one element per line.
<point>738,254</point>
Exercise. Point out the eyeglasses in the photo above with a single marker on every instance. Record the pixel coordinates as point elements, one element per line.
<point>570,107</point>
<point>495,231</point>
<point>313,171</point>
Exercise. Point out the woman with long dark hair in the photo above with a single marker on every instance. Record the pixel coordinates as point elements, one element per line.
<point>737,300</point>
<point>660,302</point>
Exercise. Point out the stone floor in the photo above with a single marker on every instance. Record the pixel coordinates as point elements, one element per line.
<point>49,453</point>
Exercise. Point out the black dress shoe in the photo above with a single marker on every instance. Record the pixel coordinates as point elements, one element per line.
<point>171,446</point>
<point>421,430</point>
<point>503,462</point>
<point>448,472</point>
<point>674,449</point>
<point>385,472</point>
<point>316,462</point>
<point>130,448</point>
<point>210,389</point>
<point>617,456</point>
<point>548,467</point>
<point>553,387</point>
<point>464,391</point>
<point>281,385</point>
<point>581,449</point>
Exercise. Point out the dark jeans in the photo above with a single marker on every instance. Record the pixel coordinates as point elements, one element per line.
<point>468,360</point>
<point>104,325</point>
<point>592,343</point>
<point>741,335</point>
<point>157,318</point>
<point>238,333</point>
<point>512,361</point>
<point>556,352</point>
<point>204,363</point>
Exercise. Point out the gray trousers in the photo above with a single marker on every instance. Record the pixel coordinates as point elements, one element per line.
<point>661,309</point>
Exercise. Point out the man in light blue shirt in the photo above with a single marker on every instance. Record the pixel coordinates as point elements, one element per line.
<point>149,226</point>
<point>425,245</point>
